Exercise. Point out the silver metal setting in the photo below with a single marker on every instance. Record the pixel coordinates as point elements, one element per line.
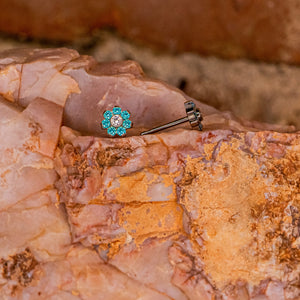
<point>193,115</point>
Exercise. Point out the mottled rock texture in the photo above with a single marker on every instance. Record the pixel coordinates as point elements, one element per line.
<point>266,30</point>
<point>178,215</point>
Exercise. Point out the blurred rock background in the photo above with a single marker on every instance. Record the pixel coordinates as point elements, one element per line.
<point>237,55</point>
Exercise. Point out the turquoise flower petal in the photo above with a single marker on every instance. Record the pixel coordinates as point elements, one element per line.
<point>126,124</point>
<point>112,131</point>
<point>125,115</point>
<point>108,114</point>
<point>121,131</point>
<point>117,110</point>
<point>105,123</point>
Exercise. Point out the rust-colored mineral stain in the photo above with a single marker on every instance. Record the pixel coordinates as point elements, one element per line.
<point>133,188</point>
<point>113,156</point>
<point>10,79</point>
<point>236,213</point>
<point>137,187</point>
<point>19,267</point>
<point>151,219</point>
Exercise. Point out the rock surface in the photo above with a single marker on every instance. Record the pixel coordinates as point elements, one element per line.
<point>265,30</point>
<point>177,215</point>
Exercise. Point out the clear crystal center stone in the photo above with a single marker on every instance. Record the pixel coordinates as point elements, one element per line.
<point>116,121</point>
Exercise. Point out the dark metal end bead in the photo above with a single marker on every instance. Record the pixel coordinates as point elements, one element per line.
<point>193,116</point>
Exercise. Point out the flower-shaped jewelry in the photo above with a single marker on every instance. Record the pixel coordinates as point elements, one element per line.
<point>116,121</point>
